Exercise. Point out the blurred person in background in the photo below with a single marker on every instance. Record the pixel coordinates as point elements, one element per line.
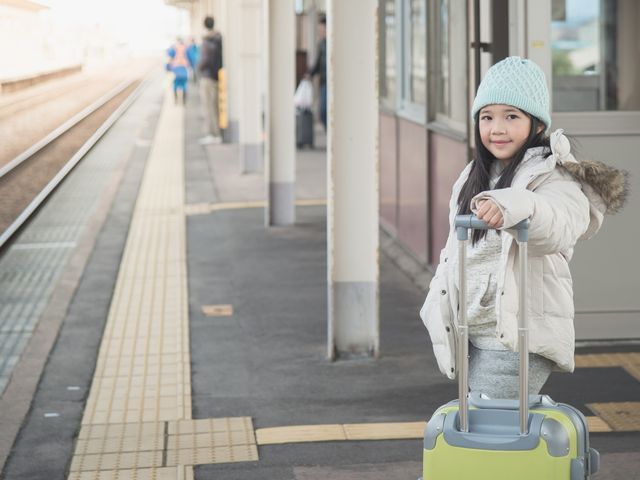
<point>320,68</point>
<point>178,64</point>
<point>193,55</point>
<point>209,66</point>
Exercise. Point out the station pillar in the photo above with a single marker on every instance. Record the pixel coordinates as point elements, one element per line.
<point>250,85</point>
<point>279,31</point>
<point>352,160</point>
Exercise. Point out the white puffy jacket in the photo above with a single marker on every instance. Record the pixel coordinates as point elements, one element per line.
<point>565,201</point>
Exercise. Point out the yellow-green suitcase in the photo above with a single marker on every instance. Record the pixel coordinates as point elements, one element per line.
<point>479,438</point>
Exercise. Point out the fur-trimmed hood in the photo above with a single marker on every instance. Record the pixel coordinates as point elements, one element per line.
<point>606,187</point>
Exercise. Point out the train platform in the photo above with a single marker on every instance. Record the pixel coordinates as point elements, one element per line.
<point>179,338</point>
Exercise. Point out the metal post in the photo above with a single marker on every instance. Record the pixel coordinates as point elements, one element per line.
<point>250,85</point>
<point>523,340</point>
<point>463,337</point>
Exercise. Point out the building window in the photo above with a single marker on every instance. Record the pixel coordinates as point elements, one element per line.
<point>417,52</point>
<point>449,63</point>
<point>403,57</point>
<point>388,66</point>
<point>594,55</point>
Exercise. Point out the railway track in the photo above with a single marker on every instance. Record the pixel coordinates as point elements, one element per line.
<point>29,178</point>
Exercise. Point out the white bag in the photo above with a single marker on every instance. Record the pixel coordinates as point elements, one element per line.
<point>303,97</point>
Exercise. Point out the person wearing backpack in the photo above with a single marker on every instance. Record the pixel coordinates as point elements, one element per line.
<point>209,66</point>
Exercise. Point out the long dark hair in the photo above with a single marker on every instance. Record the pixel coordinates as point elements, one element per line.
<point>480,174</point>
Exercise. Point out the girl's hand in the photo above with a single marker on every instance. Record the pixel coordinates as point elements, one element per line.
<point>490,213</point>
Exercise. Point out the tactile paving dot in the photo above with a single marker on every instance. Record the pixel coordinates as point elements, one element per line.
<point>622,416</point>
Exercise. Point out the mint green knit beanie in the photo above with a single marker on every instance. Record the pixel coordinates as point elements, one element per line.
<point>517,82</point>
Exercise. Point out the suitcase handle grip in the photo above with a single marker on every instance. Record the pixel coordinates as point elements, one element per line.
<point>464,222</point>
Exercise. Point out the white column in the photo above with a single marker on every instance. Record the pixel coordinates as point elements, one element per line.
<point>311,27</point>
<point>539,37</point>
<point>250,84</point>
<point>279,113</point>
<point>352,209</point>
<point>194,17</point>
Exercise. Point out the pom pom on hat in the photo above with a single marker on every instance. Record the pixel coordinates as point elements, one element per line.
<point>517,82</point>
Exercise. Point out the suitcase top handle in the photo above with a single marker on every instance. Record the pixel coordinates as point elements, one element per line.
<point>465,222</point>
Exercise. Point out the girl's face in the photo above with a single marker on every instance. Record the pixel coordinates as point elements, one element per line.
<point>503,130</point>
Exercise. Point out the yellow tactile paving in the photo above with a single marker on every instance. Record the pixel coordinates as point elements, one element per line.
<point>207,425</point>
<point>197,209</point>
<point>629,361</point>
<point>384,431</point>
<point>199,456</point>
<point>598,425</point>
<point>340,432</point>
<point>210,440</point>
<point>363,432</point>
<point>164,473</point>
<point>123,444</point>
<point>145,347</point>
<point>621,416</point>
<point>142,384</point>
<point>207,208</point>
<point>117,461</point>
<point>300,434</point>
<point>122,430</point>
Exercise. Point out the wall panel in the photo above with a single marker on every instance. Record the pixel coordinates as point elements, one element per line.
<point>388,172</point>
<point>413,193</point>
<point>447,159</point>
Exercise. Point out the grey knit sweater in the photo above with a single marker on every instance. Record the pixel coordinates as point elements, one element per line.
<point>482,263</point>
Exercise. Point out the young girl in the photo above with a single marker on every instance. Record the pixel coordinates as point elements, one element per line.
<point>519,172</point>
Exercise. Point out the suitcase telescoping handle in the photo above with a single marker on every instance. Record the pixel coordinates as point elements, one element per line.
<point>463,223</point>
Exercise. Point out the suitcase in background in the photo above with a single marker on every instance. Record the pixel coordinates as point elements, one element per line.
<point>304,127</point>
<point>530,438</point>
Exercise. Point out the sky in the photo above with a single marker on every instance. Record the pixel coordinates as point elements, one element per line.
<point>144,25</point>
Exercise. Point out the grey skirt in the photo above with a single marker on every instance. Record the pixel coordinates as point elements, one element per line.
<point>495,372</point>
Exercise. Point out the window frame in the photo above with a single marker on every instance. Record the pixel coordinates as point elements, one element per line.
<point>581,122</point>
<point>407,108</point>
<point>439,121</point>
<point>387,103</point>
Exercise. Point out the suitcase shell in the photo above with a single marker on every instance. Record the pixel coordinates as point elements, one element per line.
<point>556,445</point>
<point>479,438</point>
<point>304,127</point>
